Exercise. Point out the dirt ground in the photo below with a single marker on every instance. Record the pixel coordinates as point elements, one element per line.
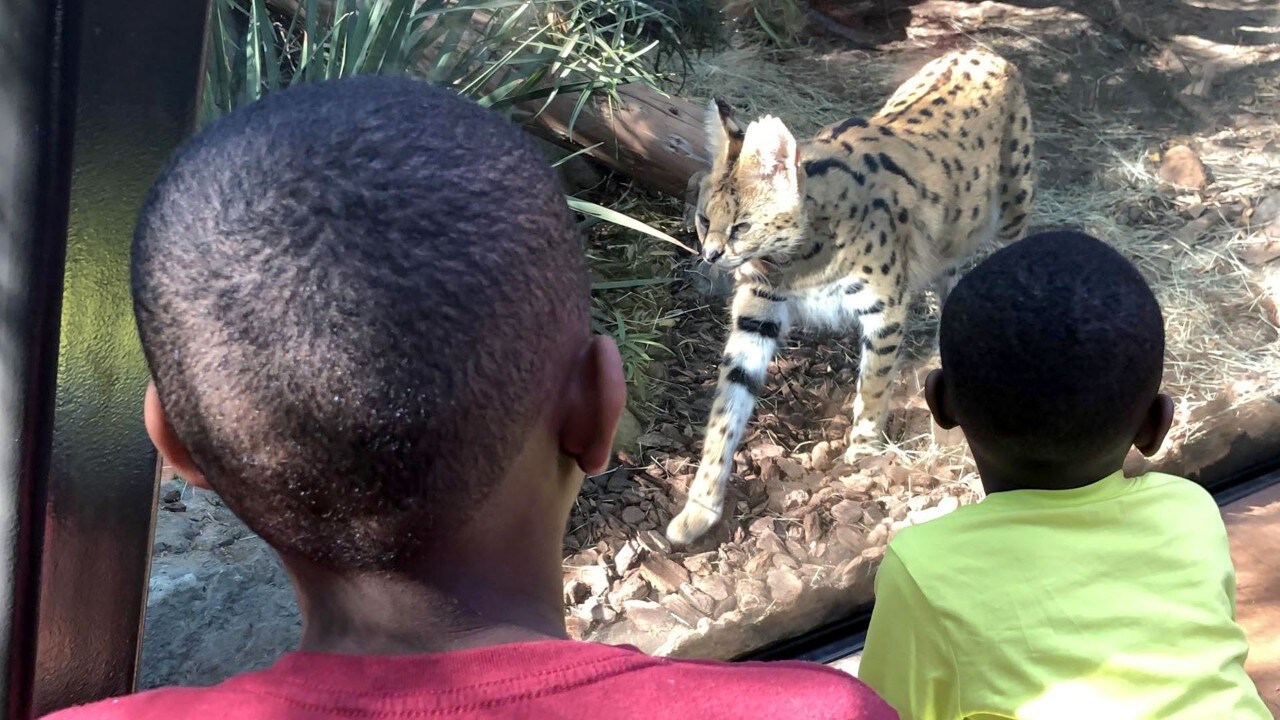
<point>1115,94</point>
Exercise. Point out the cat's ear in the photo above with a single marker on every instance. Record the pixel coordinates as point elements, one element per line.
<point>724,134</point>
<point>769,152</point>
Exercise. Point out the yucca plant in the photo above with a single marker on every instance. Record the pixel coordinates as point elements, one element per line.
<point>505,54</point>
<point>502,53</point>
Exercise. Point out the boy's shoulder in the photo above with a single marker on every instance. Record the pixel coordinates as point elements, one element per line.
<point>583,680</point>
<point>773,689</point>
<point>1171,497</point>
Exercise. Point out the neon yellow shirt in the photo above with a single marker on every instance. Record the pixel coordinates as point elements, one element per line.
<point>1114,600</point>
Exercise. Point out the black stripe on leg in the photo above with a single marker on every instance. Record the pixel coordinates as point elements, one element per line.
<point>877,307</point>
<point>887,330</point>
<point>738,376</point>
<point>763,328</point>
<point>766,295</point>
<point>887,350</point>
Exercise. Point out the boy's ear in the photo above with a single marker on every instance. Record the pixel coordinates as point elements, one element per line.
<point>595,398</point>
<point>769,152</point>
<point>166,441</point>
<point>724,135</point>
<point>936,397</point>
<point>1155,425</point>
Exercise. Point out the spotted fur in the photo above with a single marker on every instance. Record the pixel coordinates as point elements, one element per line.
<point>839,231</point>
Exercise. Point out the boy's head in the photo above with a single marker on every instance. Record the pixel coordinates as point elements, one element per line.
<point>1052,358</point>
<point>362,303</point>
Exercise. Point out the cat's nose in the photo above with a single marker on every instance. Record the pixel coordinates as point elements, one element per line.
<point>712,253</point>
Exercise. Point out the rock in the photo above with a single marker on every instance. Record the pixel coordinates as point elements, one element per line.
<point>795,499</point>
<point>628,557</point>
<point>919,502</point>
<point>790,468</point>
<point>701,601</point>
<point>595,577</point>
<point>577,627</point>
<point>822,458</point>
<point>682,610</point>
<point>948,504</point>
<point>654,542</point>
<point>850,538</point>
<point>752,594</point>
<point>879,535</point>
<point>175,507</point>
<point>633,515</point>
<point>846,512</point>
<point>633,587</point>
<point>663,574</point>
<point>784,585</point>
<point>649,617</point>
<point>172,495</point>
<point>1182,168</point>
<point>576,593</point>
<point>766,450</point>
<point>700,564</point>
<point>627,437</point>
<point>760,526</point>
<point>1266,212</point>
<point>714,586</point>
<point>872,513</point>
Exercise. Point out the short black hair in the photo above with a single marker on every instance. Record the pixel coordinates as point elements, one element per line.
<point>355,297</point>
<point>1050,346</point>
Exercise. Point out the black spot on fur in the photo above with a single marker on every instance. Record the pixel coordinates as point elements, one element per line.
<point>884,269</point>
<point>939,101</point>
<point>866,270</point>
<point>884,239</point>
<point>870,162</point>
<point>1021,197</point>
<point>1022,122</point>
<point>853,122</point>
<point>885,131</point>
<point>891,166</point>
<point>813,251</point>
<point>902,215</point>
<point>871,246</point>
<point>974,214</point>
<point>887,350</point>
<point>818,168</point>
<point>926,112</point>
<point>982,143</point>
<point>1026,150</point>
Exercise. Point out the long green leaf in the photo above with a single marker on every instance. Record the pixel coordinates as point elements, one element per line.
<point>617,218</point>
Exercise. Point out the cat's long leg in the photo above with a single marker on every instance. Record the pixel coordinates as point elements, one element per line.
<point>882,323</point>
<point>760,320</point>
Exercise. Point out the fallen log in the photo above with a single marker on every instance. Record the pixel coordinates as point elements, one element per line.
<point>655,139</point>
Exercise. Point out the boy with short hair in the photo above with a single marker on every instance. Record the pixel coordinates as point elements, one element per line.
<point>1070,591</point>
<point>364,304</point>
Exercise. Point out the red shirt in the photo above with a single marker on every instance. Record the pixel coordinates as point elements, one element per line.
<point>539,681</point>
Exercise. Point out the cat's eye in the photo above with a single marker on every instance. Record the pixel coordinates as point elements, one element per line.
<point>738,229</point>
<point>703,222</point>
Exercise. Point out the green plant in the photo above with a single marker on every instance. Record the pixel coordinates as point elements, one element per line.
<point>502,53</point>
<point>781,21</point>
